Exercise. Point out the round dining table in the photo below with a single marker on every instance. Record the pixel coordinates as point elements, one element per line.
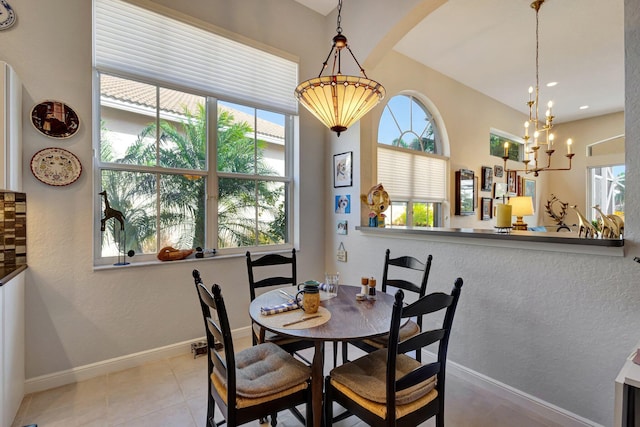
<point>348,319</point>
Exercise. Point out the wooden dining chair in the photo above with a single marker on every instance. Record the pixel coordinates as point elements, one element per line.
<point>254,383</point>
<point>264,267</point>
<point>389,388</point>
<point>410,328</point>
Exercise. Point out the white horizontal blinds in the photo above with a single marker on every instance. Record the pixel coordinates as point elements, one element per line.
<point>144,43</point>
<point>411,175</point>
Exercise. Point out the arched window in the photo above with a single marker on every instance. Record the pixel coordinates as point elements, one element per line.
<point>410,162</point>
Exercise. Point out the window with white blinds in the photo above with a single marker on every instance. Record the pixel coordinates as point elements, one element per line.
<point>147,44</point>
<point>409,175</point>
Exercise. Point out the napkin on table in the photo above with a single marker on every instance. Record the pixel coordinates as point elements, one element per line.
<point>280,308</point>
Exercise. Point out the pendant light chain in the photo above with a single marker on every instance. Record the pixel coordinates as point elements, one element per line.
<point>339,20</point>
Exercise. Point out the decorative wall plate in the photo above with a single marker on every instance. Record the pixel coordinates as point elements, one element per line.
<point>55,166</point>
<point>7,15</point>
<point>55,119</point>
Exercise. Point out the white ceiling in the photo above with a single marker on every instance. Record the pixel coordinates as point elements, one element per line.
<point>489,45</point>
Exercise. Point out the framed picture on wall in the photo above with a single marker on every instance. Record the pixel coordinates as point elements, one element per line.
<point>500,190</point>
<point>487,178</point>
<point>498,171</point>
<point>342,172</point>
<point>529,189</point>
<point>486,208</point>
<point>512,182</point>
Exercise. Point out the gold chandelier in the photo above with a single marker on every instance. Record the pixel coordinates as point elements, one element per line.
<point>339,100</point>
<point>541,132</point>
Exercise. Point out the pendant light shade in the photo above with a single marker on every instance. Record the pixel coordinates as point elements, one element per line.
<point>339,100</point>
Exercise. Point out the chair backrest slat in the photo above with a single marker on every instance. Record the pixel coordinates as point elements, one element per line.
<point>266,261</point>
<point>408,263</point>
<point>428,304</point>
<point>420,340</point>
<point>417,376</point>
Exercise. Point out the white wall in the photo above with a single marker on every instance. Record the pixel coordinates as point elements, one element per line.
<point>77,316</point>
<point>556,326</point>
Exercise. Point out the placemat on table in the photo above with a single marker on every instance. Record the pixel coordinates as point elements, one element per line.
<point>277,320</point>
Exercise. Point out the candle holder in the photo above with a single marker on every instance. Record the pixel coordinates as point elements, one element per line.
<point>503,230</point>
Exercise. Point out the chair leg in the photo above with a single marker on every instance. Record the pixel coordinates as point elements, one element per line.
<point>328,403</point>
<point>345,357</point>
<point>274,419</point>
<point>440,419</point>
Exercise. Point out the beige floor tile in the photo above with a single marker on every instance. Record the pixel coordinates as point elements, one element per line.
<point>173,392</point>
<point>67,395</point>
<point>172,416</point>
<point>128,404</point>
<point>82,413</point>
<point>139,374</point>
<point>186,363</point>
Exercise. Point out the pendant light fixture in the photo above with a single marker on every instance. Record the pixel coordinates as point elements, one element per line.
<point>339,100</point>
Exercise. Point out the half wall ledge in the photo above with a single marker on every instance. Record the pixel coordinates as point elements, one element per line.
<point>567,242</point>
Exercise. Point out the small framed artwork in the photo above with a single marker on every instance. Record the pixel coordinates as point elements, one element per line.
<point>487,178</point>
<point>341,227</point>
<point>500,190</point>
<point>512,182</point>
<point>475,191</point>
<point>343,204</point>
<point>529,189</point>
<point>498,171</point>
<point>342,172</point>
<point>486,208</point>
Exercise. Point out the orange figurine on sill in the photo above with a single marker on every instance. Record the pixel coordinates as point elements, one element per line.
<point>169,253</point>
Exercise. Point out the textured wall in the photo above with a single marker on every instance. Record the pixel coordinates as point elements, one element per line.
<point>557,326</point>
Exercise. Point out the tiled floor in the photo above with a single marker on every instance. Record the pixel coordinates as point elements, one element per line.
<point>172,393</point>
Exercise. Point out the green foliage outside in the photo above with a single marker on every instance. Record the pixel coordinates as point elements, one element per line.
<point>423,216</point>
<point>496,147</point>
<point>183,197</point>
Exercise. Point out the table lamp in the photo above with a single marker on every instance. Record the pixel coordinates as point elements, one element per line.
<point>521,206</point>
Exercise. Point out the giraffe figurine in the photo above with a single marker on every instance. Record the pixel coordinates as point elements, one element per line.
<point>589,230</point>
<point>613,223</point>
<point>109,213</point>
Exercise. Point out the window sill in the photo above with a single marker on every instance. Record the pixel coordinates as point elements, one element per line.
<point>532,240</point>
<point>190,258</point>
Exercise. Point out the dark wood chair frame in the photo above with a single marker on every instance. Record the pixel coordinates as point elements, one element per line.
<point>420,289</point>
<point>428,304</point>
<point>274,260</point>
<point>223,358</point>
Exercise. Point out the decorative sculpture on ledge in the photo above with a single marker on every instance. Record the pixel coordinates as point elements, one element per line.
<point>119,236</point>
<point>611,226</point>
<point>377,200</point>
<point>558,217</point>
<point>585,226</point>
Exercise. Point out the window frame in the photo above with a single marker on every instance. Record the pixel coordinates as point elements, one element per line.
<point>441,151</point>
<point>211,172</point>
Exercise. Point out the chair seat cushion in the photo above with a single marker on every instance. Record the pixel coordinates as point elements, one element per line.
<point>366,377</point>
<point>408,330</point>
<point>264,370</point>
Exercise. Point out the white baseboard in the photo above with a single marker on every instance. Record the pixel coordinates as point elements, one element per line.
<point>81,373</point>
<point>549,411</point>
